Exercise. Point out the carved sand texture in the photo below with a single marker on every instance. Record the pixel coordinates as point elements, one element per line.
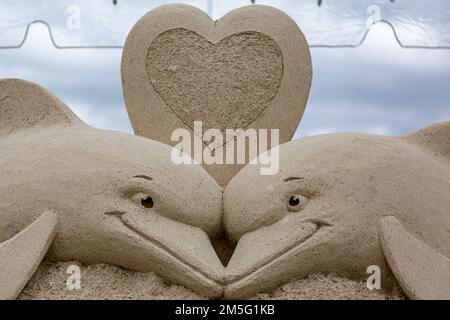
<point>118,198</point>
<point>333,200</point>
<point>100,281</point>
<point>224,85</point>
<point>109,282</point>
<point>250,69</point>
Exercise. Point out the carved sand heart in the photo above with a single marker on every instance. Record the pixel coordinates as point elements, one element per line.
<point>224,85</point>
<point>250,69</point>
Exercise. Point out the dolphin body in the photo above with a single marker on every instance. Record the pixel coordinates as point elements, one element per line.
<point>341,203</point>
<point>113,198</point>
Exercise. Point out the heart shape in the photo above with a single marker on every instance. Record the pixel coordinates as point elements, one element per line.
<point>249,70</point>
<point>224,85</point>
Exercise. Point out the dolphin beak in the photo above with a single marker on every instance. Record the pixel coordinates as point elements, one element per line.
<point>262,249</point>
<point>180,252</point>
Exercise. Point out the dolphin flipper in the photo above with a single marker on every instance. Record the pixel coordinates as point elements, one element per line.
<point>422,272</point>
<point>21,255</point>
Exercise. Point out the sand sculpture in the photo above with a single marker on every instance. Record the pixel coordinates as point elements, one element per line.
<point>341,203</point>
<point>250,69</point>
<point>117,198</point>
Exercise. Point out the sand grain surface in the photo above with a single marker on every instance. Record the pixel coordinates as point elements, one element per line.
<point>109,282</point>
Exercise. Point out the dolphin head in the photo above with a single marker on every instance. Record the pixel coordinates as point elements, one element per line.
<point>320,212</point>
<point>120,198</point>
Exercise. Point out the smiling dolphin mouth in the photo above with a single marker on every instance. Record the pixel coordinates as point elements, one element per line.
<point>270,244</point>
<point>185,244</point>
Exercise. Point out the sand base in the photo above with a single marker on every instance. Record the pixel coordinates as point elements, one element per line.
<point>110,282</point>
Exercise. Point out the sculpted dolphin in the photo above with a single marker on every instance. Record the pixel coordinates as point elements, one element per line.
<point>72,192</point>
<point>341,203</point>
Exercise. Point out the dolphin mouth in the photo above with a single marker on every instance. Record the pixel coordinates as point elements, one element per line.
<point>273,248</point>
<point>188,255</point>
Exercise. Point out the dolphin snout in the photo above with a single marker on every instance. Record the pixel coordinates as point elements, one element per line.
<point>186,249</point>
<point>258,248</point>
<point>265,249</point>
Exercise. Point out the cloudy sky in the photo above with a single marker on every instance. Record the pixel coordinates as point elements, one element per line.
<point>378,87</point>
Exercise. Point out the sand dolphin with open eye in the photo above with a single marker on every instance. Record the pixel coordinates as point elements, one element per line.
<point>341,203</point>
<point>72,192</point>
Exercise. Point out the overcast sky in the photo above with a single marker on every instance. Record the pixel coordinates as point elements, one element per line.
<point>377,88</point>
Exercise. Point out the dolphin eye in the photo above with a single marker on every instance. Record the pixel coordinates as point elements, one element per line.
<point>147,202</point>
<point>297,202</point>
<point>143,199</point>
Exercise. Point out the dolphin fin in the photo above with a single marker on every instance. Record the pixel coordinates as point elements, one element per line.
<point>24,104</point>
<point>21,255</point>
<point>422,272</point>
<point>435,138</point>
